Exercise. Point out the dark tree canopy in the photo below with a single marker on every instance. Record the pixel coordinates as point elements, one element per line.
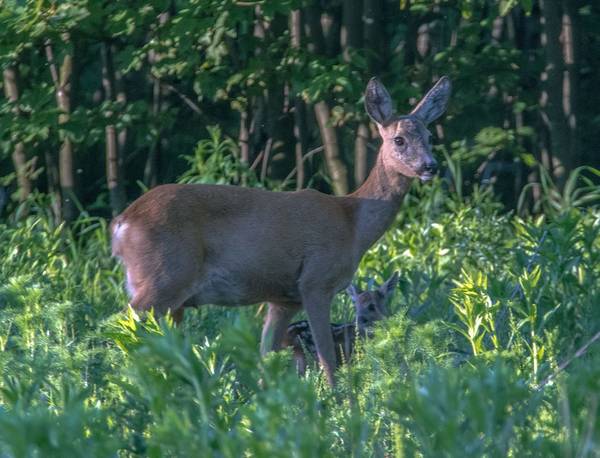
<point>105,99</point>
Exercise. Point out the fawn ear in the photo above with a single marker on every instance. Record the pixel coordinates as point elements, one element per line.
<point>378,102</point>
<point>354,291</point>
<point>434,104</point>
<point>389,285</point>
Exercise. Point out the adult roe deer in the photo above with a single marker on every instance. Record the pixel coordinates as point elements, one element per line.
<point>188,245</point>
<point>371,307</point>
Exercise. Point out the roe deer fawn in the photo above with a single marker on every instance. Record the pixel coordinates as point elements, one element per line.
<point>188,245</point>
<point>371,307</point>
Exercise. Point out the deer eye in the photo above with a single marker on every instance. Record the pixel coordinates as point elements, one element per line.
<point>399,141</point>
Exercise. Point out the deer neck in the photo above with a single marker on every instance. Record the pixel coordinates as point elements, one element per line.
<point>377,202</point>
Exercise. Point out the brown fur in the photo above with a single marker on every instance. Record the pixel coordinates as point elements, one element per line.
<point>187,245</point>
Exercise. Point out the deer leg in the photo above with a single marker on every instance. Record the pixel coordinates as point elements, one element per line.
<point>275,328</point>
<point>161,300</point>
<point>177,315</point>
<point>318,310</point>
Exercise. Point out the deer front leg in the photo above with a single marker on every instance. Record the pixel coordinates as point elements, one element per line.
<point>318,309</point>
<point>275,328</point>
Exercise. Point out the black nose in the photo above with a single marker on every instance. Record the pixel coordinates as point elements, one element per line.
<point>431,167</point>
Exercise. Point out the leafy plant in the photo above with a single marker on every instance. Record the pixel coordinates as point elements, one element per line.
<point>578,190</point>
<point>216,160</point>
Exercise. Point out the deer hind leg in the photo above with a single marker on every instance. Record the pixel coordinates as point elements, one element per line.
<point>191,302</point>
<point>161,300</point>
<point>318,310</point>
<point>162,277</point>
<point>177,315</point>
<point>160,289</point>
<point>275,328</point>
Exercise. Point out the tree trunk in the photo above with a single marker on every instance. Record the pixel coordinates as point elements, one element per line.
<point>53,183</point>
<point>121,98</point>
<point>552,97</point>
<point>372,29</point>
<point>351,37</point>
<point>351,32</point>
<point>300,131</point>
<point>361,154</point>
<point>373,34</point>
<point>62,82</point>
<point>11,89</point>
<point>158,105</point>
<point>300,134</point>
<point>322,38</point>
<point>335,165</point>
<point>313,30</point>
<point>151,166</point>
<point>113,173</point>
<point>244,142</point>
<point>570,47</point>
<point>330,26</point>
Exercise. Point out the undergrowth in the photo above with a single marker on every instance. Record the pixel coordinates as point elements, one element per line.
<point>488,305</point>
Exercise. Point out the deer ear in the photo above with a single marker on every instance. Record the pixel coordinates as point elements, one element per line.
<point>434,104</point>
<point>378,102</point>
<point>353,291</point>
<point>389,284</point>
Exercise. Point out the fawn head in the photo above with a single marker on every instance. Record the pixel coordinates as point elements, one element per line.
<point>371,305</point>
<point>406,147</point>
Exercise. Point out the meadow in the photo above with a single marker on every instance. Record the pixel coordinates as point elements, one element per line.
<point>479,358</point>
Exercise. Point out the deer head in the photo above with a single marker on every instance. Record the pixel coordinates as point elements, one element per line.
<point>406,147</point>
<point>371,305</point>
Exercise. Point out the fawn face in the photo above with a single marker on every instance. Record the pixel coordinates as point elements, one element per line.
<point>406,145</point>
<point>371,306</point>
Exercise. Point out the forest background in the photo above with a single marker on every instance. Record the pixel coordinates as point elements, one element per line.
<point>106,99</point>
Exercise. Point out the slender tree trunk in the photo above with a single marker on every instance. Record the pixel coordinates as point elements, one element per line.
<point>330,25</point>
<point>351,38</point>
<point>261,119</point>
<point>313,30</point>
<point>53,183</point>
<point>373,29</point>
<point>351,35</point>
<point>361,154</point>
<point>337,169</point>
<point>151,166</point>
<point>300,134</point>
<point>113,172</point>
<point>321,34</point>
<point>11,89</point>
<point>570,47</point>
<point>62,82</point>
<point>244,141</point>
<point>158,105</point>
<point>552,95</point>
<point>122,133</point>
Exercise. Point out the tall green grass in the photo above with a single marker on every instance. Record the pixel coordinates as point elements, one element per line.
<point>488,306</point>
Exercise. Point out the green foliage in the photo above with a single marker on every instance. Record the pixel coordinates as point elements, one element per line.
<point>179,65</point>
<point>475,310</point>
<point>488,305</point>
<point>216,160</point>
<point>578,190</point>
